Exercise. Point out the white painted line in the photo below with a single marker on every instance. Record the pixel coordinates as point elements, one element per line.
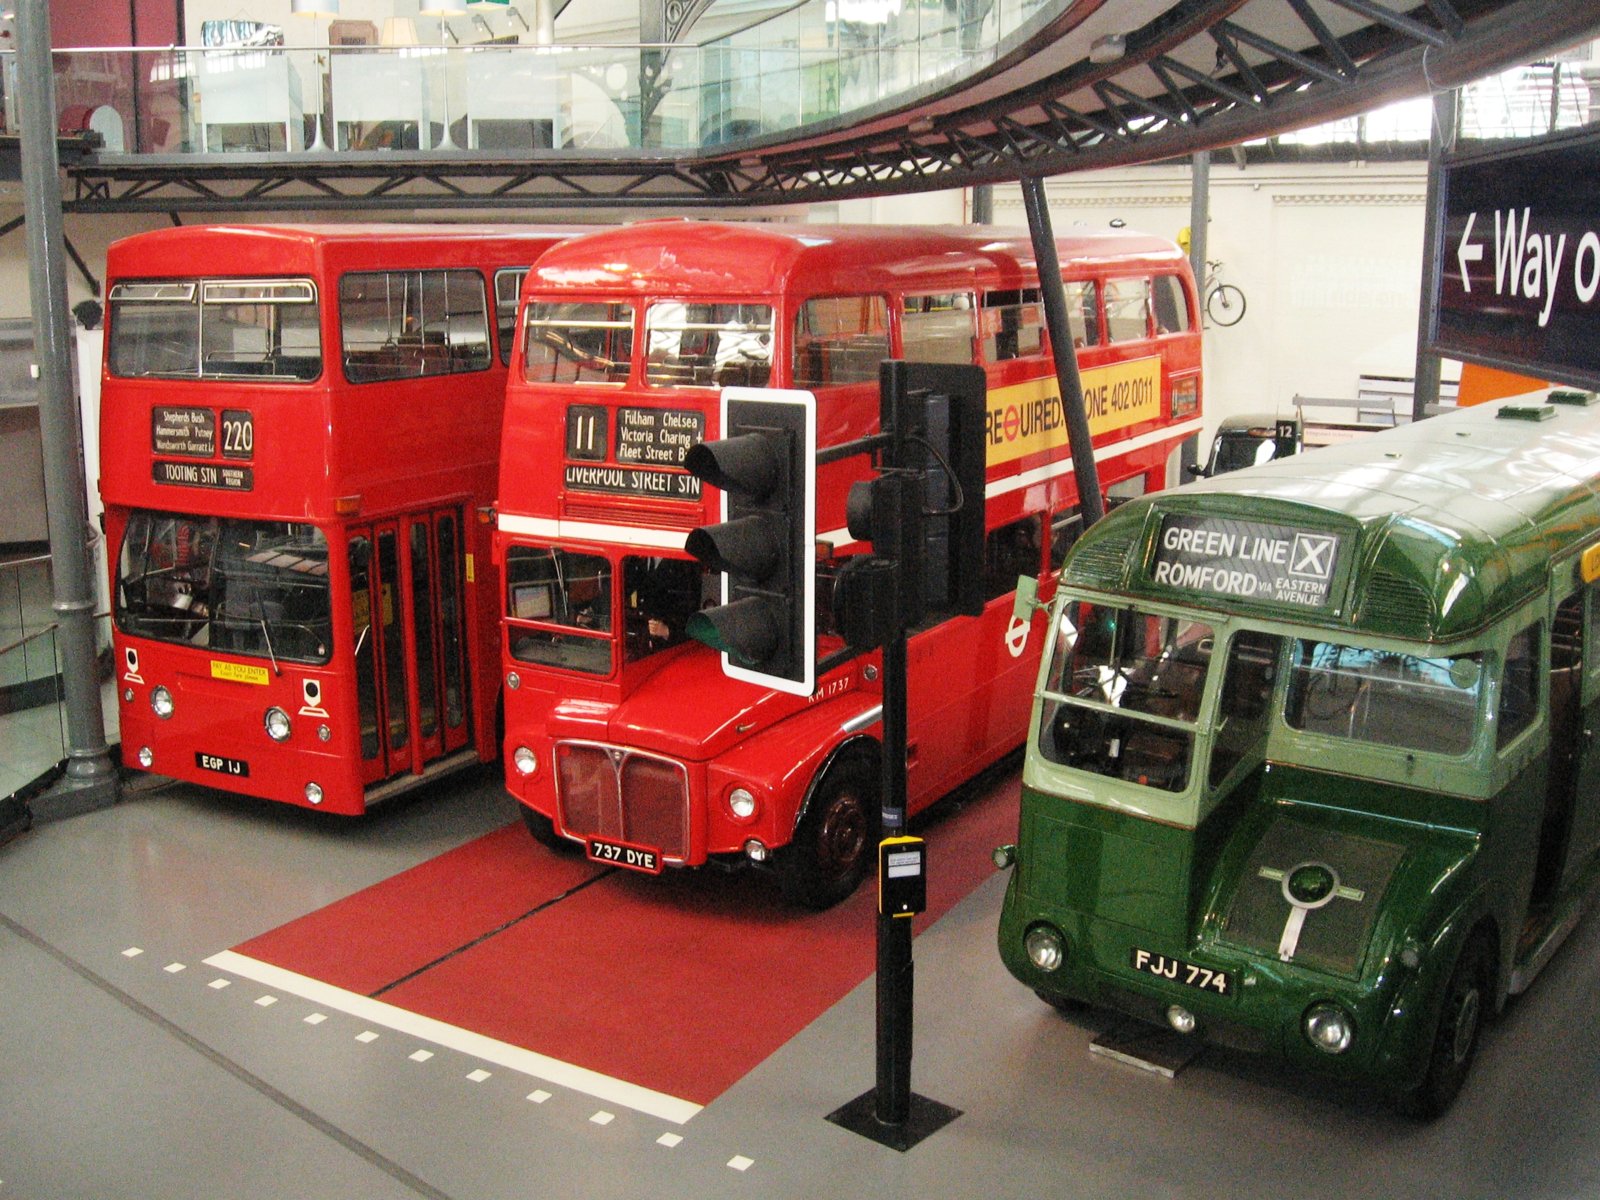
<point>538,1096</point>
<point>740,1163</point>
<point>421,1055</point>
<point>316,1018</point>
<point>367,1037</point>
<point>669,1140</point>
<point>479,1075</point>
<point>172,968</point>
<point>219,984</point>
<point>602,1118</point>
<point>501,1054</point>
<point>132,952</point>
<point>267,1001</point>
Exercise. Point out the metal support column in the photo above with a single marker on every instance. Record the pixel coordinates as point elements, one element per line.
<point>1199,221</point>
<point>1441,139</point>
<point>91,780</point>
<point>1091,505</point>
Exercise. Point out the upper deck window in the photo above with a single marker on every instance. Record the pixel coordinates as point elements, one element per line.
<point>577,342</point>
<point>1013,324</point>
<point>840,340</point>
<point>507,288</point>
<point>1171,305</point>
<point>409,324</point>
<point>708,345</point>
<point>1127,309</point>
<point>1385,697</point>
<point>1082,314</point>
<point>938,328</point>
<point>257,329</point>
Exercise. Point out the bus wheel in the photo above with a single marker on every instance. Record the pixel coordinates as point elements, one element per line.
<point>544,829</point>
<point>833,842</point>
<point>1467,998</point>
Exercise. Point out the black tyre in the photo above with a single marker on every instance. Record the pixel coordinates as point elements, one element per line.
<point>834,841</point>
<point>1225,305</point>
<point>544,830</point>
<point>1468,999</point>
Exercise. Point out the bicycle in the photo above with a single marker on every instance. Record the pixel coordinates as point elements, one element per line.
<point>1224,302</point>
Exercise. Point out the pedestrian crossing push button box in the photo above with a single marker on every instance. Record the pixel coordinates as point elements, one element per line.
<point>902,876</point>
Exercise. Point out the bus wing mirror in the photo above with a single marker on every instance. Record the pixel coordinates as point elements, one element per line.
<point>1027,600</point>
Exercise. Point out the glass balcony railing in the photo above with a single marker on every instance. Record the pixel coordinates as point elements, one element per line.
<point>819,62</point>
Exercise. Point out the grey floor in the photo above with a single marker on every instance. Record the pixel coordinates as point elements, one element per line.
<point>134,1075</point>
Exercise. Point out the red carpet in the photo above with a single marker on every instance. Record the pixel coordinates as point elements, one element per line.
<point>680,983</point>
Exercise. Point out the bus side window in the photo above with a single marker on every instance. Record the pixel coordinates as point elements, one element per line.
<point>1127,309</point>
<point>1171,305</point>
<point>938,328</point>
<point>1065,529</point>
<point>1083,313</point>
<point>1013,325</point>
<point>1246,688</point>
<point>839,340</point>
<point>1010,551</point>
<point>1519,686</point>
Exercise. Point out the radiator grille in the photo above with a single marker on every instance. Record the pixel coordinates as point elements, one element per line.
<point>612,792</point>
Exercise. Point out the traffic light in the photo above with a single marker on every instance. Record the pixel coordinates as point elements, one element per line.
<point>924,513</point>
<point>765,467</point>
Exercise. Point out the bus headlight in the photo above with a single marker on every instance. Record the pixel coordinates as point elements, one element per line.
<point>1003,856</point>
<point>313,793</point>
<point>742,803</point>
<point>1046,948</point>
<point>1329,1028</point>
<point>161,702</point>
<point>146,757</point>
<point>526,761</point>
<point>277,723</point>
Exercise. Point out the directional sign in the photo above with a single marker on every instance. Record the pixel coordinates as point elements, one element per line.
<point>1520,273</point>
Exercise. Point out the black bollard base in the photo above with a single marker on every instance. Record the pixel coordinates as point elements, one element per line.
<point>924,1117</point>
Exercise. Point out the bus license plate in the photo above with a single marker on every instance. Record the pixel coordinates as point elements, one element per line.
<point>1178,971</point>
<point>620,854</point>
<point>223,766</point>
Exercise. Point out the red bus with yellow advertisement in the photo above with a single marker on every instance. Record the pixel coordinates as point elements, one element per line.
<point>297,426</point>
<point>622,734</point>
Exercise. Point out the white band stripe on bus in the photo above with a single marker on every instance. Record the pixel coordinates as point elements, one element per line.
<point>513,1058</point>
<point>551,529</point>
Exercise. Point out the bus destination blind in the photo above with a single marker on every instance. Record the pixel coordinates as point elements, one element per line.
<point>1247,560</point>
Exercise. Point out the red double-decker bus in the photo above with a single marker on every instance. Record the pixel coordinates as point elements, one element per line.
<point>619,731</point>
<point>297,426</point>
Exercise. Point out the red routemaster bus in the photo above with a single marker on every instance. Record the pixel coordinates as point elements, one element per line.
<point>619,731</point>
<point>297,426</point>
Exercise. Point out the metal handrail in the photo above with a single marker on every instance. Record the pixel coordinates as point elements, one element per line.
<point>28,637</point>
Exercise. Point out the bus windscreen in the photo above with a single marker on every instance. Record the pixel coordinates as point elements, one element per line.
<point>265,329</point>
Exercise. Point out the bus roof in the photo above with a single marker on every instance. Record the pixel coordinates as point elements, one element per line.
<point>744,259</point>
<point>1440,527</point>
<point>256,249</point>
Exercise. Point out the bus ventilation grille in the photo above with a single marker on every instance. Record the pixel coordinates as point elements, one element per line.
<point>1396,601</point>
<point>615,514</point>
<point>1099,564</point>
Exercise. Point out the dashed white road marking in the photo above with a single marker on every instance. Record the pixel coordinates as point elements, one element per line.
<point>172,968</point>
<point>421,1055</point>
<point>366,1037</point>
<point>219,984</point>
<point>476,1045</point>
<point>266,1001</point>
<point>316,1018</point>
<point>539,1096</point>
<point>669,1140</point>
<point>602,1118</point>
<point>740,1163</point>
<point>132,952</point>
<point>479,1075</point>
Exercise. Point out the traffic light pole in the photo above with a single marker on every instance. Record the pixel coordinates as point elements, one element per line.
<point>891,1114</point>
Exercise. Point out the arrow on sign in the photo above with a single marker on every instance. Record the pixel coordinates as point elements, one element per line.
<point>1466,253</point>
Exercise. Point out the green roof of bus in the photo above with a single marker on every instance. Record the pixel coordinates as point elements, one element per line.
<point>1456,519</point>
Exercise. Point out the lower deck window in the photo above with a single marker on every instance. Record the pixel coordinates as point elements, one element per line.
<point>256,588</point>
<point>558,608</point>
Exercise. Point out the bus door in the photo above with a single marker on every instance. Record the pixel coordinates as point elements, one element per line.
<point>1570,833</point>
<point>411,677</point>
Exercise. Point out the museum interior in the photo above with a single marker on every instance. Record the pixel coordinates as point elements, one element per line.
<point>565,630</point>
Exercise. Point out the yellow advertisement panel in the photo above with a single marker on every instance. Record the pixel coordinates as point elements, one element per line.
<point>1026,418</point>
<point>238,672</point>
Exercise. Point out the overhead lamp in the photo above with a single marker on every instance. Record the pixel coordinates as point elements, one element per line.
<point>318,9</point>
<point>314,8</point>
<point>398,31</point>
<point>1108,48</point>
<point>444,8</point>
